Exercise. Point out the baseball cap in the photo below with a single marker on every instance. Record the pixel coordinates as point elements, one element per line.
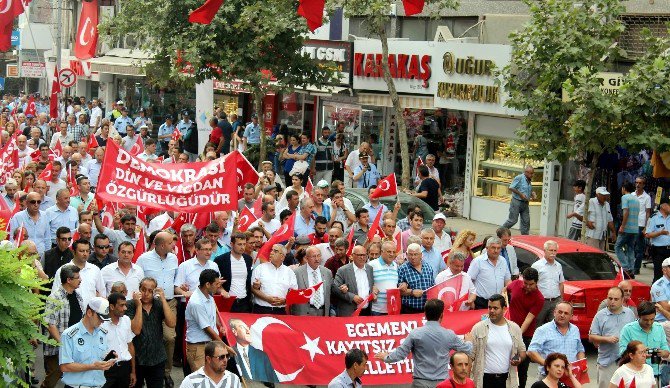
<point>303,240</point>
<point>666,262</point>
<point>440,216</point>
<point>266,162</point>
<point>322,184</point>
<point>100,306</point>
<point>362,155</point>
<point>602,191</point>
<point>143,126</point>
<point>254,116</point>
<point>120,102</point>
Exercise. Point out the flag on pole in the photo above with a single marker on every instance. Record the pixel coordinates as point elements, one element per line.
<point>449,292</point>
<point>375,229</point>
<point>312,11</point>
<point>413,7</point>
<point>53,100</point>
<point>206,12</point>
<point>286,231</point>
<point>246,218</point>
<point>386,187</point>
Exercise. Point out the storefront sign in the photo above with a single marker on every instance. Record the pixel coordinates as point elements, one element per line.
<point>331,53</point>
<point>466,80</point>
<point>232,86</point>
<point>610,83</point>
<point>30,69</point>
<point>12,71</point>
<point>409,64</point>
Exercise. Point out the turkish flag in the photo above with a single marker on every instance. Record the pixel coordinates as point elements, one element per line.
<point>350,239</point>
<point>201,220</point>
<point>312,11</point>
<point>30,107</point>
<point>35,155</point>
<point>412,7</point>
<point>141,246</point>
<point>301,296</point>
<point>176,135</point>
<point>284,232</point>
<point>360,306</point>
<point>386,187</point>
<point>47,173</point>
<point>74,187</point>
<point>20,237</point>
<point>419,163</point>
<point>393,301</point>
<point>579,369</point>
<point>179,221</point>
<point>86,40</point>
<point>258,206</point>
<point>205,14</point>
<point>246,218</point>
<point>179,249</point>
<point>449,292</point>
<point>92,143</point>
<point>138,147</point>
<point>223,305</point>
<point>9,10</point>
<point>309,187</point>
<point>6,33</point>
<point>375,229</point>
<point>246,173</point>
<point>58,149</point>
<point>53,100</point>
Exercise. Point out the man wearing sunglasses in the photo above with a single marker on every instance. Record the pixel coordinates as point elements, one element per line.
<point>213,373</point>
<point>59,255</point>
<point>102,254</point>
<point>35,222</point>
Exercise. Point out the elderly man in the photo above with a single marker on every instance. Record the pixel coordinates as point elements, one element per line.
<point>442,238</point>
<point>489,273</point>
<point>271,282</point>
<point>310,275</point>
<point>35,221</point>
<point>327,249</point>
<point>429,254</point>
<point>358,278</point>
<point>455,268</point>
<point>521,194</point>
<point>550,282</point>
<point>385,276</point>
<point>353,161</point>
<point>304,223</point>
<point>253,363</point>
<point>61,214</point>
<point>557,336</point>
<point>414,278</point>
<point>11,188</point>
<point>599,220</point>
<point>604,334</point>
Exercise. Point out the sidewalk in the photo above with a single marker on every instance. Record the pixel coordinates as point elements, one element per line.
<point>482,229</point>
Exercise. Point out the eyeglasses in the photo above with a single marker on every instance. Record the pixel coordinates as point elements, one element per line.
<point>35,201</point>
<point>222,357</point>
<point>65,238</point>
<point>102,246</point>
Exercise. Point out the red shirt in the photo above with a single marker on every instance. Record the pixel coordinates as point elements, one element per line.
<point>522,303</point>
<point>448,384</point>
<point>215,136</point>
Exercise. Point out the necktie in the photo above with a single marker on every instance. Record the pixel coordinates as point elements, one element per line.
<point>317,299</point>
<point>246,359</point>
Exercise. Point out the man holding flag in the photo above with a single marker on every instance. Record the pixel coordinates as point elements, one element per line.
<point>271,282</point>
<point>358,277</point>
<point>467,289</point>
<point>375,206</point>
<point>308,276</point>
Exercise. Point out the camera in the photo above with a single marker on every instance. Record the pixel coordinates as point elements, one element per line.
<point>655,355</point>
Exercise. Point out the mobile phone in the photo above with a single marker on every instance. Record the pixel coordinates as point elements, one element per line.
<point>516,357</point>
<point>110,356</point>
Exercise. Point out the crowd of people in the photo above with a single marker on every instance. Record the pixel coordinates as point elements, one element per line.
<point>119,319</point>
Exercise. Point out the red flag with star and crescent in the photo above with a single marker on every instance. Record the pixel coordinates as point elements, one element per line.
<point>141,245</point>
<point>30,107</point>
<point>386,187</point>
<point>393,301</point>
<point>47,173</point>
<point>246,218</point>
<point>138,147</point>
<point>86,40</point>
<point>246,173</point>
<point>449,292</point>
<point>361,305</point>
<point>375,229</point>
<point>58,149</point>
<point>284,232</point>
<point>301,296</point>
<point>419,163</point>
<point>53,100</point>
<point>9,10</point>
<point>92,143</point>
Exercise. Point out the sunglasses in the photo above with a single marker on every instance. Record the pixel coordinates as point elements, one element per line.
<point>222,357</point>
<point>65,238</point>
<point>102,246</point>
<point>35,201</point>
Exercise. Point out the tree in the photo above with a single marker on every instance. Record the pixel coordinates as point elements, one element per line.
<point>563,48</point>
<point>377,14</point>
<point>257,42</point>
<point>20,315</point>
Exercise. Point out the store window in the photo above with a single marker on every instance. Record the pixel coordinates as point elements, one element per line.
<point>372,128</point>
<point>292,111</point>
<point>497,163</point>
<point>334,113</point>
<point>230,103</point>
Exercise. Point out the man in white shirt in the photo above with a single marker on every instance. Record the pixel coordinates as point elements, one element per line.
<point>442,238</point>
<point>235,267</point>
<point>271,282</point>
<point>24,150</point>
<point>96,115</point>
<point>353,162</point>
<point>268,223</point>
<point>327,249</point>
<point>123,270</point>
<point>550,282</point>
<point>577,214</point>
<point>455,268</point>
<point>149,154</point>
<point>599,220</point>
<point>91,280</point>
<point>642,218</point>
<point>120,341</point>
<point>188,273</point>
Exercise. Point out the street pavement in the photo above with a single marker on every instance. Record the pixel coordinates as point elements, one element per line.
<point>483,230</point>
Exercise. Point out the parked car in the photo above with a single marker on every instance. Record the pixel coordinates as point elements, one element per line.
<point>359,197</point>
<point>589,273</point>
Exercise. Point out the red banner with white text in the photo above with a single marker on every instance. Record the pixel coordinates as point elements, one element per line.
<point>310,350</point>
<point>183,187</point>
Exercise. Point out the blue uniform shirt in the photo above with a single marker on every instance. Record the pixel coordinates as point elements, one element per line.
<point>656,223</point>
<point>121,123</point>
<point>252,133</point>
<point>80,346</point>
<point>660,291</point>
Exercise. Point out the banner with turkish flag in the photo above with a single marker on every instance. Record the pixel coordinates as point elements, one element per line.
<point>312,11</point>
<point>393,301</point>
<point>286,231</point>
<point>580,370</point>
<point>53,100</point>
<point>300,296</point>
<point>246,218</point>
<point>386,187</point>
<point>184,187</point>
<point>449,291</point>
<point>86,40</point>
<point>317,345</point>
<point>206,12</point>
<point>413,7</point>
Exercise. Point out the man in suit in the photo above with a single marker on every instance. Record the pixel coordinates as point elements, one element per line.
<point>310,275</point>
<point>253,364</point>
<point>357,276</point>
<point>235,268</point>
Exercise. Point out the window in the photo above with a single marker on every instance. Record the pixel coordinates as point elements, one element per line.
<point>524,258</point>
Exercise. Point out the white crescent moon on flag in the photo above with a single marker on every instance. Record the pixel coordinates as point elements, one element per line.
<point>385,185</point>
<point>84,29</point>
<point>8,5</point>
<point>393,300</point>
<point>240,175</point>
<point>309,292</point>
<point>257,342</point>
<point>447,289</point>
<point>135,149</point>
<point>244,219</point>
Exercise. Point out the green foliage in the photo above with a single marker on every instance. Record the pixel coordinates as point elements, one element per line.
<point>20,313</point>
<point>565,46</point>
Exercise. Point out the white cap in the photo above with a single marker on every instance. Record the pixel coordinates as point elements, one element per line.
<point>440,216</point>
<point>120,102</point>
<point>602,191</point>
<point>322,183</point>
<point>666,262</point>
<point>143,126</point>
<point>100,306</point>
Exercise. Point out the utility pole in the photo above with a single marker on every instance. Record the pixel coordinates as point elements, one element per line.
<point>59,33</point>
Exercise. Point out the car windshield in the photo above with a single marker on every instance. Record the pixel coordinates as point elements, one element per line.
<point>587,266</point>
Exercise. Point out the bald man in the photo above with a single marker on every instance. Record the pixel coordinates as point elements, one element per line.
<point>628,301</point>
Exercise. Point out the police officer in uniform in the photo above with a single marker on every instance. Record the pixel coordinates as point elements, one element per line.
<point>84,348</point>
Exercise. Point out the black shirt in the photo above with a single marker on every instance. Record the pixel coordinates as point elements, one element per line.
<point>149,348</point>
<point>54,259</point>
<point>541,384</point>
<point>227,133</point>
<point>432,187</point>
<point>109,259</point>
<point>75,309</point>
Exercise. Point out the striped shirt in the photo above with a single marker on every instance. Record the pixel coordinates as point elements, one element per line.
<point>58,308</point>
<point>415,281</point>
<point>385,276</point>
<point>199,379</point>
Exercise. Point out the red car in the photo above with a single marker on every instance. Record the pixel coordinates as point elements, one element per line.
<point>589,273</point>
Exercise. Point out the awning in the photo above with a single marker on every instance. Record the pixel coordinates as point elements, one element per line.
<point>122,62</point>
<point>416,102</point>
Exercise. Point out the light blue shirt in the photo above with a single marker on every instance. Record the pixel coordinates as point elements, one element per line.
<point>200,314</point>
<point>220,250</point>
<point>165,129</point>
<point>521,183</point>
<point>655,338</point>
<point>434,259</point>
<point>385,276</point>
<point>630,202</point>
<point>372,211</point>
<point>57,218</point>
<point>660,292</point>
<point>488,279</point>
<point>80,346</point>
<point>93,168</point>
<point>547,339</point>
<point>303,227</point>
<point>252,133</point>
<point>47,202</point>
<point>606,323</point>
<point>164,271</point>
<point>183,126</point>
<point>369,178</point>
<point>38,231</point>
<point>76,201</point>
<point>121,123</point>
<point>656,223</point>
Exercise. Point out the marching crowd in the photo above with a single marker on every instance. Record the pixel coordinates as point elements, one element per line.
<point>119,317</point>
